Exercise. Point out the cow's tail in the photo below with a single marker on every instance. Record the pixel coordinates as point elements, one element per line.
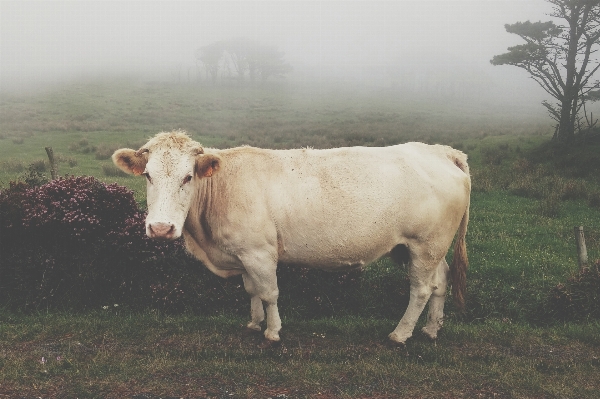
<point>460,261</point>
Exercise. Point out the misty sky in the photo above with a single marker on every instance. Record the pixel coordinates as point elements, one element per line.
<point>44,40</point>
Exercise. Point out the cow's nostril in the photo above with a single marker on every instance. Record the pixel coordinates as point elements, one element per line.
<point>161,230</point>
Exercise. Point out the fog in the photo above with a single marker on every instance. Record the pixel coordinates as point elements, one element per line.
<point>406,45</point>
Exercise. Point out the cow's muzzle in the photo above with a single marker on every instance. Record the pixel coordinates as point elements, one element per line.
<point>160,230</point>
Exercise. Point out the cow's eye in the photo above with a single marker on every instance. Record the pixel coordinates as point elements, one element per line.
<point>147,177</point>
<point>187,179</point>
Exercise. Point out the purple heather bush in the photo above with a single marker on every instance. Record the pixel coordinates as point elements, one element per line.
<point>78,243</point>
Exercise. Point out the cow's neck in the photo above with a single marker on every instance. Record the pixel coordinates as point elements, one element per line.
<point>202,206</point>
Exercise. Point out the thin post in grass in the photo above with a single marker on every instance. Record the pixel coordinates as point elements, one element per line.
<point>581,250</point>
<point>53,171</point>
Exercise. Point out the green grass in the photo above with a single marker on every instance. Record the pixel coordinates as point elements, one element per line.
<point>103,354</point>
<point>517,255</point>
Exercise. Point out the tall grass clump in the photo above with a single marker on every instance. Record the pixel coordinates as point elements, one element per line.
<point>110,170</point>
<point>39,165</point>
<point>72,162</point>
<point>495,155</point>
<point>105,151</point>
<point>578,297</point>
<point>82,146</point>
<point>549,206</point>
<point>594,199</point>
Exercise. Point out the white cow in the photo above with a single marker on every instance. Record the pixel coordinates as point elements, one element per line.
<point>243,210</point>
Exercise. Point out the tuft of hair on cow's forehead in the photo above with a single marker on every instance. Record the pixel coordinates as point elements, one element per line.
<point>174,140</point>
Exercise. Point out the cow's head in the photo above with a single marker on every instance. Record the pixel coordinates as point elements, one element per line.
<point>173,165</point>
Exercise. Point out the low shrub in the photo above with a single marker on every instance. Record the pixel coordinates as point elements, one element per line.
<point>578,297</point>
<point>33,177</point>
<point>594,199</point>
<point>13,165</point>
<point>550,206</point>
<point>490,178</point>
<point>577,160</point>
<point>105,151</point>
<point>495,155</point>
<point>59,158</point>
<point>82,146</point>
<point>39,165</point>
<point>72,242</point>
<point>573,189</point>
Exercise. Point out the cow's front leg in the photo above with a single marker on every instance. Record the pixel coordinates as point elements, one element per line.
<point>261,272</point>
<point>257,311</point>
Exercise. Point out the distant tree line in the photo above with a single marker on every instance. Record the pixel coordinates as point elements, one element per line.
<point>237,58</point>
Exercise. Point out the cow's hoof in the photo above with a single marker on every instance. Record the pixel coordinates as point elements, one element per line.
<point>268,343</point>
<point>394,339</point>
<point>432,336</point>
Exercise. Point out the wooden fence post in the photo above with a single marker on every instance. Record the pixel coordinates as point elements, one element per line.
<point>53,171</point>
<point>581,250</point>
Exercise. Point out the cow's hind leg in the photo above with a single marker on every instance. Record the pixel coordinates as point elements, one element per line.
<point>421,273</point>
<point>261,271</point>
<point>257,311</point>
<point>435,316</point>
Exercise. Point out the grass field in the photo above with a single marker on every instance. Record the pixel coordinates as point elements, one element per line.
<point>520,244</point>
<point>113,354</point>
<point>106,116</point>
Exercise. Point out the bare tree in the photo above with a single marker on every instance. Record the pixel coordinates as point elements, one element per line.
<point>267,61</point>
<point>237,49</point>
<point>243,55</point>
<point>560,58</point>
<point>211,57</point>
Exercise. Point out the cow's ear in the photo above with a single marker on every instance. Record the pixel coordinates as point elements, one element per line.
<point>130,161</point>
<point>207,164</point>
